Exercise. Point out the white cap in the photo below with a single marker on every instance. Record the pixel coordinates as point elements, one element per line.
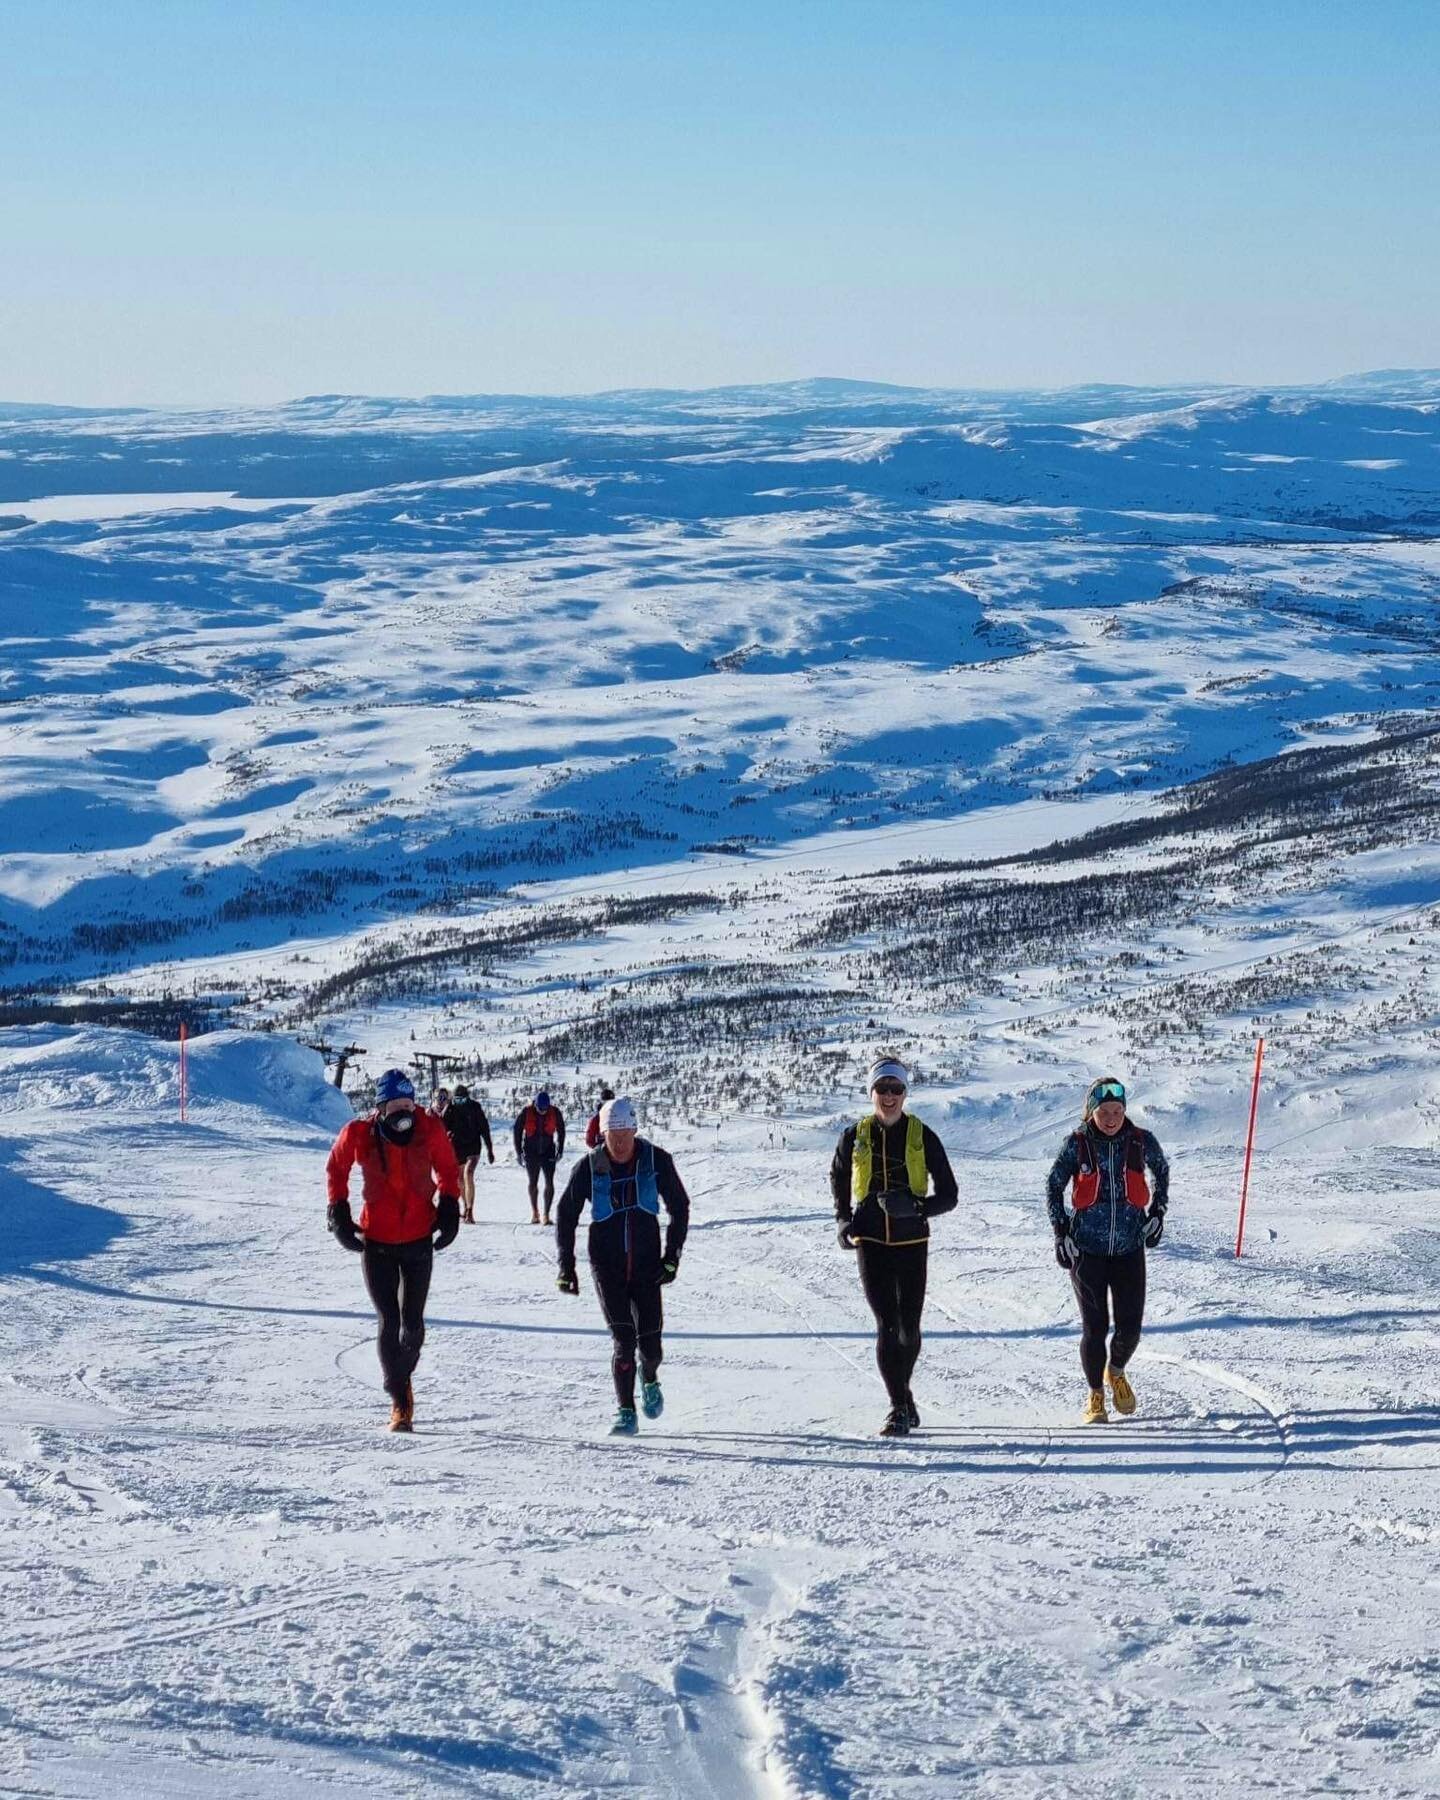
<point>619,1115</point>
<point>887,1068</point>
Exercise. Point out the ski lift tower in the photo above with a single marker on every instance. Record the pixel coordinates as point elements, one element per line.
<point>435,1061</point>
<point>341,1058</point>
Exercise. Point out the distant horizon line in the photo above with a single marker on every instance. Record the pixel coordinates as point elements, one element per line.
<point>835,384</point>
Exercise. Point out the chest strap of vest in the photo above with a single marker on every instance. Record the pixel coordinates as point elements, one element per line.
<point>1086,1189</point>
<point>862,1158</point>
<point>642,1180</point>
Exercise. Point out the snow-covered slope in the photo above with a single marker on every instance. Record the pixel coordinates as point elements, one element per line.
<point>704,744</point>
<point>224,1580</point>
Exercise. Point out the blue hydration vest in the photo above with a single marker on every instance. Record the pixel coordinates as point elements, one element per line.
<point>641,1185</point>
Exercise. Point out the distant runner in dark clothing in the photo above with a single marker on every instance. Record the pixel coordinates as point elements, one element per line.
<point>881,1180</point>
<point>1115,1216</point>
<point>470,1134</point>
<point>539,1145</point>
<point>626,1179</point>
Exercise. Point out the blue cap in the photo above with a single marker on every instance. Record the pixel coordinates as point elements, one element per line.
<point>542,1101</point>
<point>394,1084</point>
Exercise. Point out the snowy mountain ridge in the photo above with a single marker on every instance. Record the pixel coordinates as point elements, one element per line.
<point>705,745</point>
<point>765,626</point>
<point>1404,386</point>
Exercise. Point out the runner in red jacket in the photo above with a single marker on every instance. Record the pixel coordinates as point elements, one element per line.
<point>404,1155</point>
<point>592,1130</point>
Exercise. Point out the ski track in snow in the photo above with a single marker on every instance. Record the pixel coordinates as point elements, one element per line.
<point>225,1578</point>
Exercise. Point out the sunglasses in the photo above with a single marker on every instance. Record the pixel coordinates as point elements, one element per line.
<point>1108,1090</point>
<point>888,1088</point>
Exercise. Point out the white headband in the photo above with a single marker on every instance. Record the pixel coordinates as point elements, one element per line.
<point>887,1068</point>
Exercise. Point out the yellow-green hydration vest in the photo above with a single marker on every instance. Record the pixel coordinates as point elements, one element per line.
<point>862,1161</point>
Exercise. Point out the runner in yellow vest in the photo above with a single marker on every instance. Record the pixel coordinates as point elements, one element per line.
<point>881,1179</point>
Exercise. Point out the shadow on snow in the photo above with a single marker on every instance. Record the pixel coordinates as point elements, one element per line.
<point>43,1227</point>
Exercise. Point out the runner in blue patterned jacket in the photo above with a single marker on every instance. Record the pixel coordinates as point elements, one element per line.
<point>1114,1216</point>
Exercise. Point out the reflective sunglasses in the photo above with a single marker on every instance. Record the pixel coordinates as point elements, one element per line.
<point>888,1087</point>
<point>1107,1090</point>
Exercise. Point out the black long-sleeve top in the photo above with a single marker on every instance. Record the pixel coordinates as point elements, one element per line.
<point>540,1144</point>
<point>871,1221</point>
<point>469,1128</point>
<point>628,1235</point>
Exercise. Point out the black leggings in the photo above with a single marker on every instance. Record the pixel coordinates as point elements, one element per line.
<point>1099,1282</point>
<point>893,1277</point>
<point>635,1314</point>
<point>397,1278</point>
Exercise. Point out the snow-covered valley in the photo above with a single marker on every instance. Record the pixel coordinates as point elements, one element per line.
<point>706,744</point>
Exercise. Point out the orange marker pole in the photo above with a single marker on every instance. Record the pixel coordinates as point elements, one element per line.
<point>1249,1144</point>
<point>183,1072</point>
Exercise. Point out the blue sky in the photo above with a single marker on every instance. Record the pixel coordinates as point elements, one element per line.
<point>251,201</point>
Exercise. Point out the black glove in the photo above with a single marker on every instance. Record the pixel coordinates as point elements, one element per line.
<point>568,1281</point>
<point>447,1221</point>
<point>1067,1251</point>
<point>492,1159</point>
<point>669,1269</point>
<point>1154,1228</point>
<point>338,1220</point>
<point>846,1241</point>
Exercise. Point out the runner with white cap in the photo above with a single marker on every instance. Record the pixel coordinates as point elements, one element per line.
<point>626,1179</point>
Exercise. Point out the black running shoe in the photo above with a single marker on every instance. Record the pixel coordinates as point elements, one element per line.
<point>912,1412</point>
<point>897,1423</point>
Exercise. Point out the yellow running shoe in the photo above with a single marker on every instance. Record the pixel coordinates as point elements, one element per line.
<point>1121,1391</point>
<point>1095,1413</point>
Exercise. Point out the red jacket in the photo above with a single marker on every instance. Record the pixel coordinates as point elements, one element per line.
<point>592,1132</point>
<point>397,1186</point>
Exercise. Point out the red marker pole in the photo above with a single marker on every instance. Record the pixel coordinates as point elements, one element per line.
<point>183,1072</point>
<point>1249,1143</point>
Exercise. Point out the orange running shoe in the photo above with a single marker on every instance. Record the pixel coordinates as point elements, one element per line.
<point>402,1411</point>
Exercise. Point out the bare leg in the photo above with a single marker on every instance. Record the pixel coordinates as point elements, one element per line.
<point>467,1189</point>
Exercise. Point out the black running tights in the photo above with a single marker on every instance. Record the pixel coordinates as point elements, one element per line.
<point>893,1277</point>
<point>397,1277</point>
<point>1100,1283</point>
<point>636,1316</point>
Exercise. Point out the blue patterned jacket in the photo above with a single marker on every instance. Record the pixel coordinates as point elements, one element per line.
<point>1112,1226</point>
